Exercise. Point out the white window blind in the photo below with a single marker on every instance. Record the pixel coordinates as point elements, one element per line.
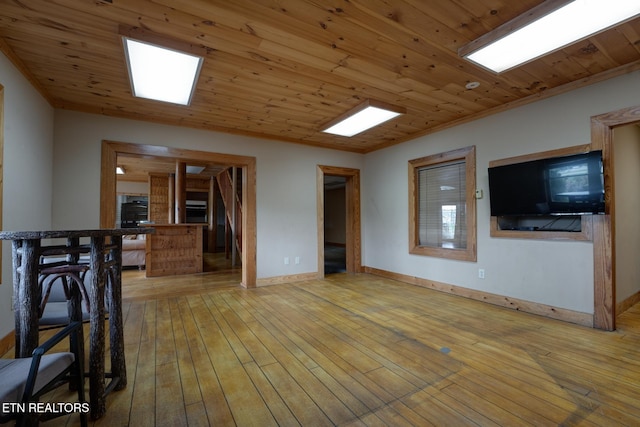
<point>442,205</point>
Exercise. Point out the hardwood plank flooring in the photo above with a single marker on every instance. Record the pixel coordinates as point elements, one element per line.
<point>359,350</point>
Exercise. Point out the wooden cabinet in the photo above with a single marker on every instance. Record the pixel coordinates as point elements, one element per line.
<point>174,249</point>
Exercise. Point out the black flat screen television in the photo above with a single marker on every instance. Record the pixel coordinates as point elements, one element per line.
<point>568,185</point>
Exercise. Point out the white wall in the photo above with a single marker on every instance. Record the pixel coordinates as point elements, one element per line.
<point>559,274</point>
<point>626,159</point>
<point>27,174</point>
<point>136,188</point>
<point>286,176</point>
<point>554,273</point>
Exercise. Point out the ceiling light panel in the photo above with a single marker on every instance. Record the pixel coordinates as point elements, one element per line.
<point>568,24</point>
<point>365,116</point>
<point>194,169</point>
<point>161,74</point>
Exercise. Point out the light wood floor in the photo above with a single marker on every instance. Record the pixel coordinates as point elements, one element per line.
<point>359,350</point>
<point>218,273</point>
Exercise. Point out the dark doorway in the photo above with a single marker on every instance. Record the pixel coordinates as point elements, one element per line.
<point>335,228</point>
<point>348,215</point>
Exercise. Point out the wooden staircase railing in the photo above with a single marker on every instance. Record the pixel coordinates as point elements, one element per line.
<point>226,191</point>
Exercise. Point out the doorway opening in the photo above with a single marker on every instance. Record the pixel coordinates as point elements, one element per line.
<point>246,167</point>
<point>335,224</point>
<point>604,260</point>
<point>339,238</point>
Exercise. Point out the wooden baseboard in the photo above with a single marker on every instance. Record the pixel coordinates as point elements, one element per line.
<point>279,280</point>
<point>625,305</point>
<point>7,342</point>
<point>584,319</point>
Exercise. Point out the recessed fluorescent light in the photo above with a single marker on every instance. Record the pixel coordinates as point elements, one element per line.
<point>194,169</point>
<point>119,170</point>
<point>364,116</point>
<point>570,23</point>
<point>161,74</point>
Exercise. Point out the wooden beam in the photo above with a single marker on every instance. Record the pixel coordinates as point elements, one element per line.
<point>171,198</point>
<point>212,215</point>
<point>180,192</point>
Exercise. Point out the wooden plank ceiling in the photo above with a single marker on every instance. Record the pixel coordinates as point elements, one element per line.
<point>280,69</point>
<point>138,168</point>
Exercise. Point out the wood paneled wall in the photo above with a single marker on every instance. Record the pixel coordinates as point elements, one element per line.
<point>159,199</point>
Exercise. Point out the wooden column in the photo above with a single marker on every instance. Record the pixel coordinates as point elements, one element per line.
<point>212,214</point>
<point>159,202</point>
<point>171,197</point>
<point>181,193</point>
<point>234,192</point>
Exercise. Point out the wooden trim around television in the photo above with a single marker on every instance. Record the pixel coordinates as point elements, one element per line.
<point>567,151</point>
<point>586,232</point>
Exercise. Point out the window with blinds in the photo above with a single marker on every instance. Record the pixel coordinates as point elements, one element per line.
<point>442,205</point>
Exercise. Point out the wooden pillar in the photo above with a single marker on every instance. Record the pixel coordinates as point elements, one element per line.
<point>226,236</point>
<point>171,198</point>
<point>181,193</point>
<point>212,214</point>
<point>234,192</point>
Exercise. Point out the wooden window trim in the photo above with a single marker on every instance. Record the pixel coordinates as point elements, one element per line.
<point>468,155</point>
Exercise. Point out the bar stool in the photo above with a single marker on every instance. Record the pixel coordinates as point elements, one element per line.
<point>69,301</point>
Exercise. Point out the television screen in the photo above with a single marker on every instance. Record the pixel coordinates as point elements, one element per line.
<point>132,213</point>
<point>570,185</point>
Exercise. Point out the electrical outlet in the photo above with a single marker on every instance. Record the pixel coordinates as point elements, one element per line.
<point>297,260</point>
<point>286,260</point>
<point>481,273</point>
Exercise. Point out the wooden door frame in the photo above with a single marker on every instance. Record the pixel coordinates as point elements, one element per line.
<point>604,312</point>
<point>353,217</point>
<point>110,151</point>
